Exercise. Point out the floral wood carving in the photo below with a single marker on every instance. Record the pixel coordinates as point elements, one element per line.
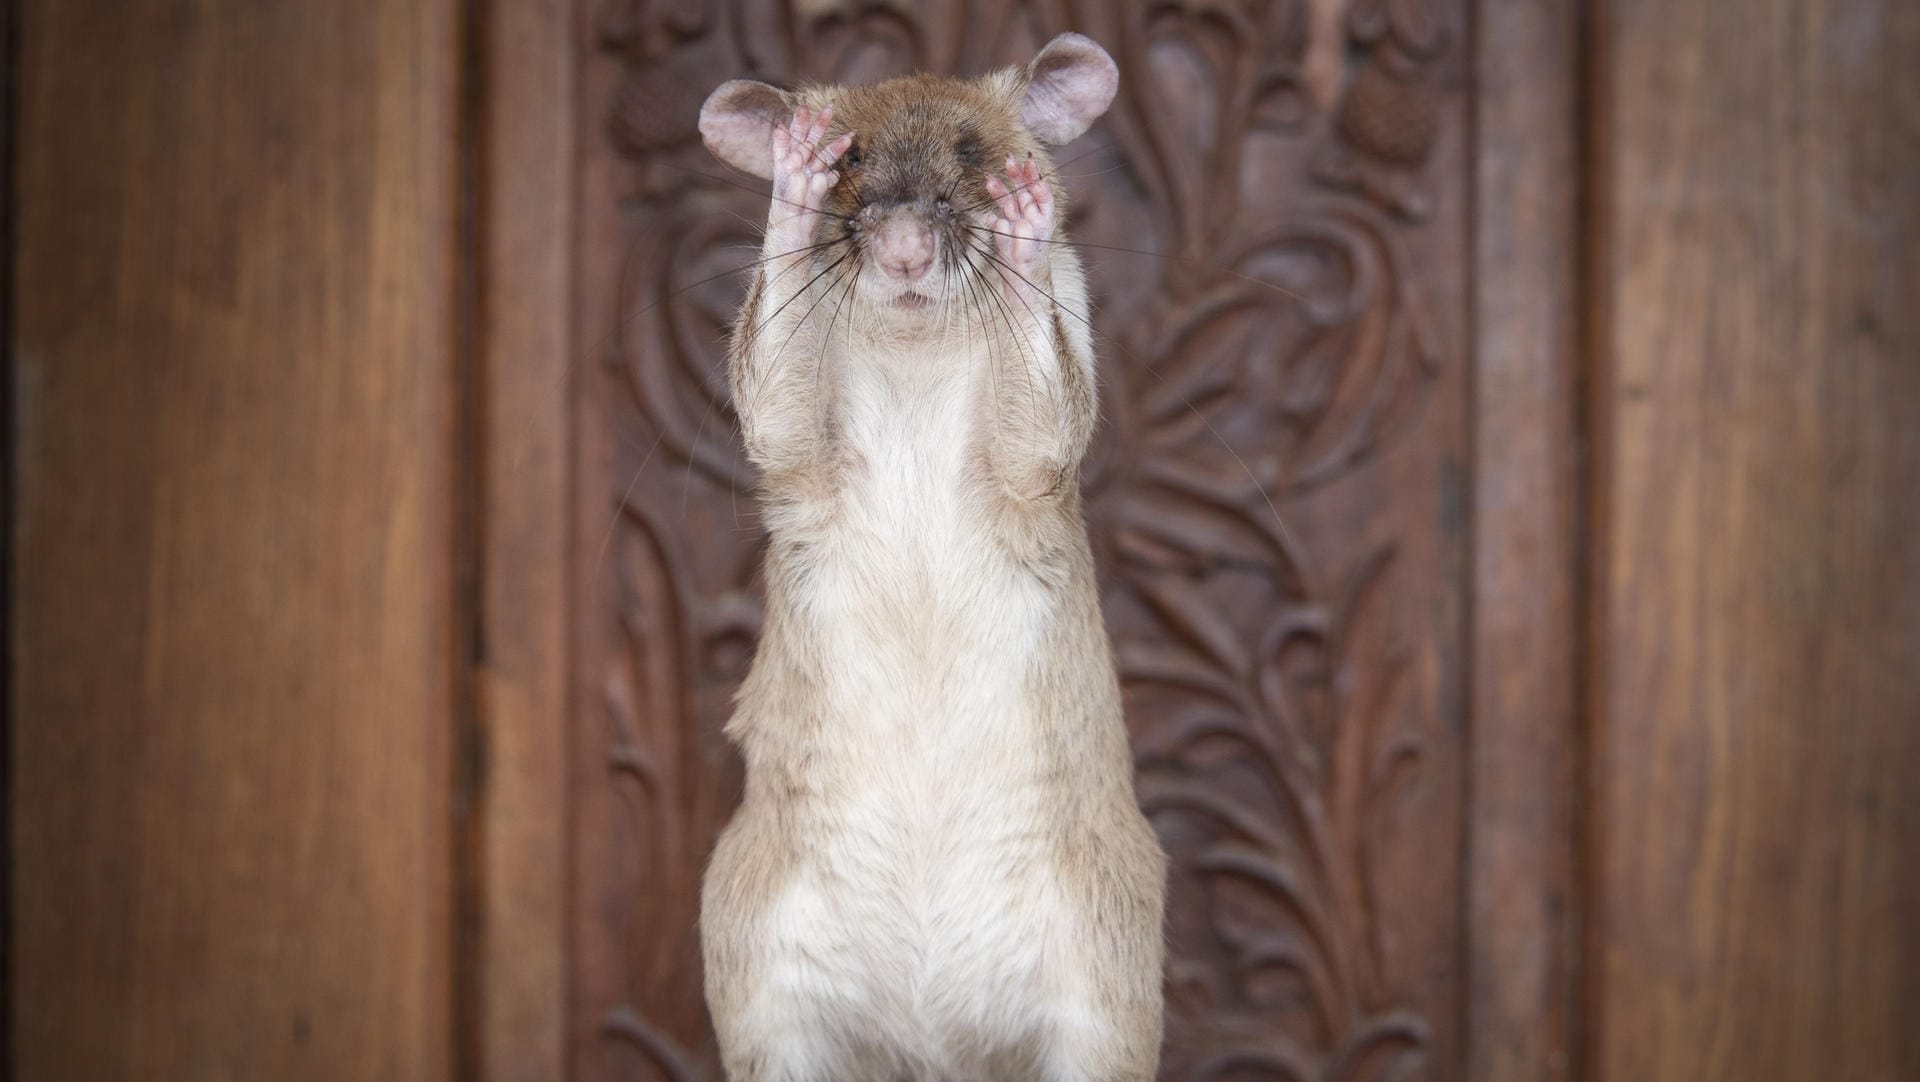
<point>1285,712</point>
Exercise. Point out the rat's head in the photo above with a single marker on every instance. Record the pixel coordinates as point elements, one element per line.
<point>910,207</point>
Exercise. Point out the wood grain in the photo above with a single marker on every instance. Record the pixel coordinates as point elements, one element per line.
<point>1526,501</point>
<point>1757,701</point>
<point>527,364</point>
<point>231,667</point>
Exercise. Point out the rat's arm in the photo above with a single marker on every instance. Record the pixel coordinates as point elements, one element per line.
<point>774,358</point>
<point>1046,404</point>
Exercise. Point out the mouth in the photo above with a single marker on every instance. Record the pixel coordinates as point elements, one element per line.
<point>911,301</point>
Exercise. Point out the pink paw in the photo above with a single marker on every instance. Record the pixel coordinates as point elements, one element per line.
<point>803,174</point>
<point>1025,225</point>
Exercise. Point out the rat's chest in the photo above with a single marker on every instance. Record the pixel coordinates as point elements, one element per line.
<point>915,608</point>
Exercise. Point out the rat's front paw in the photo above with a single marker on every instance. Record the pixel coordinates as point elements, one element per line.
<point>1025,225</point>
<point>803,173</point>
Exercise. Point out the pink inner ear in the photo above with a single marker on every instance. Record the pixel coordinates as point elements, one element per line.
<point>737,124</point>
<point>1070,84</point>
<point>741,140</point>
<point>1046,114</point>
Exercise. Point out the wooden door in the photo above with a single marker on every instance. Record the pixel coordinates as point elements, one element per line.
<point>1755,702</point>
<point>1278,499</point>
<point>231,688</point>
<point>1504,503</point>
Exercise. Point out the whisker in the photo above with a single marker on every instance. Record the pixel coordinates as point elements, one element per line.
<point>976,309</point>
<point>1286,534</point>
<point>826,335</point>
<point>798,293</point>
<point>619,327</point>
<point>1114,168</point>
<point>686,482</point>
<point>708,412</point>
<point>1282,290</point>
<point>1019,341</point>
<point>1045,175</point>
<point>613,520</point>
<point>766,375</point>
<point>731,183</point>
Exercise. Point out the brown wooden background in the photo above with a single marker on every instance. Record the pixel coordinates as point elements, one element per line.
<point>381,558</point>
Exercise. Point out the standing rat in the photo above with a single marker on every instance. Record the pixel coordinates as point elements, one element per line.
<point>939,869</point>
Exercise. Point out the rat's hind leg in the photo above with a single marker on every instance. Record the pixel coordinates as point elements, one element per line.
<point>1101,1024</point>
<point>786,1031</point>
<point>769,1027</point>
<point>1087,1046</point>
<point>783,1002</point>
<point>775,1019</point>
<point>1104,1016</point>
<point>775,1041</point>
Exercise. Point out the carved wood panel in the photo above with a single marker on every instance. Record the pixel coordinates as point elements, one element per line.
<point>1275,498</point>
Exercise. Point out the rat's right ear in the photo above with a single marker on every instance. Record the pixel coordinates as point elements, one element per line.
<point>738,121</point>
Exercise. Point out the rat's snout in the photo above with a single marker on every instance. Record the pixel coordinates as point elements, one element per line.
<point>903,244</point>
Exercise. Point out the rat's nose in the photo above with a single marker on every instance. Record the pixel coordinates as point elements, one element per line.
<point>904,247</point>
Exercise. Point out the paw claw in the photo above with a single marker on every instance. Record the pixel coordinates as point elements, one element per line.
<point>803,174</point>
<point>1025,225</point>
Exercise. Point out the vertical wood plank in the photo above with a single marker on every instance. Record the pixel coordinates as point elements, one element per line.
<point>1520,949</point>
<point>232,664</point>
<point>527,359</point>
<point>1758,702</point>
<point>9,460</point>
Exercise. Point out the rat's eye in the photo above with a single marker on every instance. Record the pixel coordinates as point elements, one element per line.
<point>970,152</point>
<point>851,159</point>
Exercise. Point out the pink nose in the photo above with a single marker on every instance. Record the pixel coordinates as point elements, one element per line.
<point>904,247</point>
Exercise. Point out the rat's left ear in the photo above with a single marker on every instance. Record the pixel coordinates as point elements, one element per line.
<point>1069,85</point>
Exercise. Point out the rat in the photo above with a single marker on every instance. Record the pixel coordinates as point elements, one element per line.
<point>939,869</point>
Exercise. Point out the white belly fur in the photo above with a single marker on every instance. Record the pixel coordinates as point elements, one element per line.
<point>926,916</point>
